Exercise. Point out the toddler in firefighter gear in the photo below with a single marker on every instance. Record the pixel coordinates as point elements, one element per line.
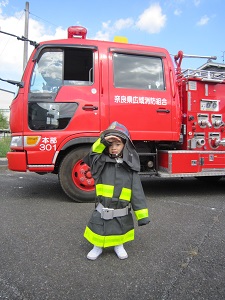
<point>114,165</point>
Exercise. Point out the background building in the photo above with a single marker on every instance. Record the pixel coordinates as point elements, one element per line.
<point>6,98</point>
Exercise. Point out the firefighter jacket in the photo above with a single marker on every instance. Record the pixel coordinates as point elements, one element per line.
<point>118,185</point>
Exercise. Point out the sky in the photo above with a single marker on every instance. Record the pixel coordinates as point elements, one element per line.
<point>194,26</point>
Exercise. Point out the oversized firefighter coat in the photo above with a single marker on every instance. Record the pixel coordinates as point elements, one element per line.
<point>117,185</point>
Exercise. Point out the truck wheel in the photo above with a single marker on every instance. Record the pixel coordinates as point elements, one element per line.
<point>75,177</point>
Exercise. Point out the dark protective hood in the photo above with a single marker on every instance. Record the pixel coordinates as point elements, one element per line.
<point>130,156</point>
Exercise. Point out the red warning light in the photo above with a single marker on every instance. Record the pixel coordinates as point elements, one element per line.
<point>77,32</point>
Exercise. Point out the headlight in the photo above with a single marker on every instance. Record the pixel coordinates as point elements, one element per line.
<point>16,141</point>
<point>24,141</point>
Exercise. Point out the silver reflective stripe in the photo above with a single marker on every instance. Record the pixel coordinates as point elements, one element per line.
<point>110,213</point>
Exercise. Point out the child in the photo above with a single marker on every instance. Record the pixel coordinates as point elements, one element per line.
<point>114,165</point>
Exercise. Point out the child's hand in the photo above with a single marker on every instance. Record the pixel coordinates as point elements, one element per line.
<point>112,138</point>
<point>144,221</point>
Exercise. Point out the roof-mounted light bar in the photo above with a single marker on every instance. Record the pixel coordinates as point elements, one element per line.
<point>77,32</point>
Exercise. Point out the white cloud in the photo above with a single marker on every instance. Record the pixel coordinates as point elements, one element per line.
<point>152,20</point>
<point>123,23</point>
<point>108,29</point>
<point>203,21</point>
<point>105,33</point>
<point>11,49</point>
<point>177,12</point>
<point>106,25</point>
<point>102,36</point>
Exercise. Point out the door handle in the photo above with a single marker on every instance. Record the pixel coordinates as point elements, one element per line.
<point>89,107</point>
<point>163,110</point>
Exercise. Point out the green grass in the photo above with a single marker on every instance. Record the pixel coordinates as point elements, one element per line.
<point>4,146</point>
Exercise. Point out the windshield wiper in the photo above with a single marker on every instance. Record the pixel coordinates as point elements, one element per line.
<point>18,83</point>
<point>23,38</point>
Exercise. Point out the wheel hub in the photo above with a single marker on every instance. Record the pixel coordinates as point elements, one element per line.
<point>82,176</point>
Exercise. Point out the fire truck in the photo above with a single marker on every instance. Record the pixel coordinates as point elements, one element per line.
<point>73,88</point>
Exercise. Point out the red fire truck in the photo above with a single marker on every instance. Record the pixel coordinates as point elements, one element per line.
<point>72,89</point>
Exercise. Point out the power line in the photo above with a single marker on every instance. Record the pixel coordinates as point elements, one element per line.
<point>19,19</point>
<point>7,91</point>
<point>43,19</point>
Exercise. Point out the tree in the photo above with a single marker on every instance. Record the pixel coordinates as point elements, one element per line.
<point>4,124</point>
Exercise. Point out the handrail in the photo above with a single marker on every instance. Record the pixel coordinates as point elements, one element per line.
<point>202,74</point>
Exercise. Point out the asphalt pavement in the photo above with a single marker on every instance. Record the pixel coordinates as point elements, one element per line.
<point>180,255</point>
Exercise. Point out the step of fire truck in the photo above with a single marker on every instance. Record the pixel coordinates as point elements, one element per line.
<point>186,163</point>
<point>163,174</point>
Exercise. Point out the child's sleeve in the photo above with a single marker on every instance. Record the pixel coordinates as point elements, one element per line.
<point>138,201</point>
<point>96,149</point>
<point>95,158</point>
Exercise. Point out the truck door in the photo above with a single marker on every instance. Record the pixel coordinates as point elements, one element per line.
<point>65,80</point>
<point>138,96</point>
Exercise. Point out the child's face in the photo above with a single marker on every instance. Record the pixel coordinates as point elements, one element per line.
<point>116,147</point>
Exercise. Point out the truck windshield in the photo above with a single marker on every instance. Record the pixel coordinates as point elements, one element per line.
<point>138,72</point>
<point>47,74</point>
<point>57,67</point>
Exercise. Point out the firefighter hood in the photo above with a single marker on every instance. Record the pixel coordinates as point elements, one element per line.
<point>130,156</point>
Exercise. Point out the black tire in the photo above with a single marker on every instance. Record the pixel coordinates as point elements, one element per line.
<point>71,170</point>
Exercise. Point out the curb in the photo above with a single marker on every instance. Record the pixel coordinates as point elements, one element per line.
<point>3,163</point>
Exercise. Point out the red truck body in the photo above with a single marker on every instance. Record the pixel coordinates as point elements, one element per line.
<point>74,88</point>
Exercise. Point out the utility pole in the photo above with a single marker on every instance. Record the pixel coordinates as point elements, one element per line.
<point>25,52</point>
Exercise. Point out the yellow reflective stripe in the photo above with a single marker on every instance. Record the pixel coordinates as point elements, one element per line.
<point>98,147</point>
<point>125,194</point>
<point>109,240</point>
<point>141,214</point>
<point>105,190</point>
